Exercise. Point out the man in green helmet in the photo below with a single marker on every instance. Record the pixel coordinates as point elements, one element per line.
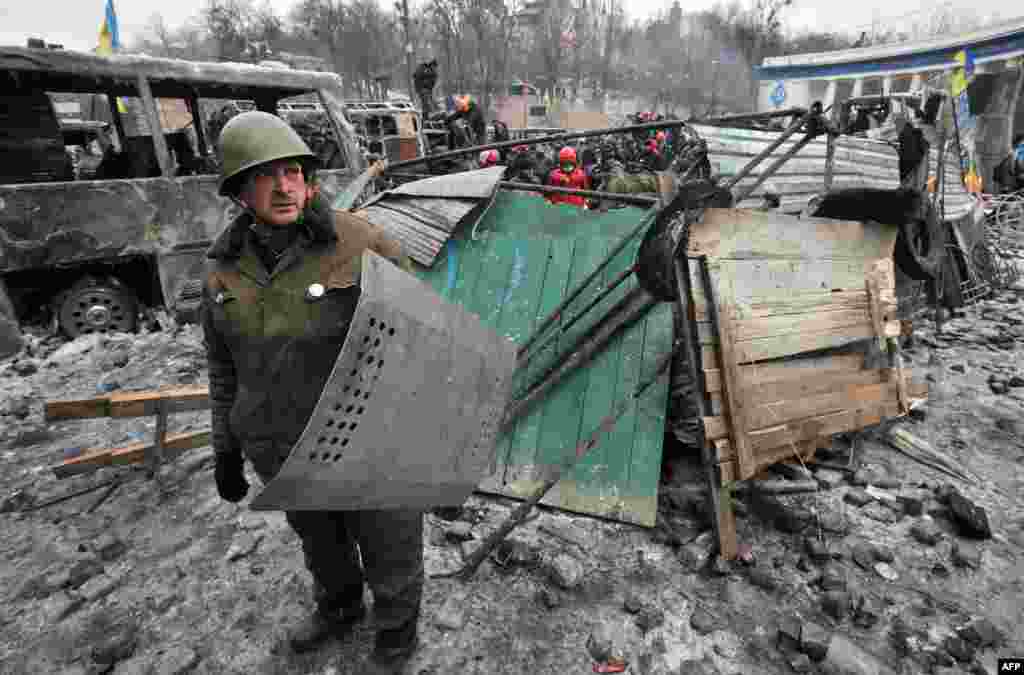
<point>280,293</point>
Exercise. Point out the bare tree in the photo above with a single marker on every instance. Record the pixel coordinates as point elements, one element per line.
<point>323,21</point>
<point>241,30</point>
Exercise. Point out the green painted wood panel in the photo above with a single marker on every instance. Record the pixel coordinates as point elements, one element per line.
<point>527,255</point>
<point>523,459</point>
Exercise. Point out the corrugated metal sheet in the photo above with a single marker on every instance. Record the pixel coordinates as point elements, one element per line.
<point>422,215</point>
<point>422,225</point>
<point>479,184</point>
<point>525,256</point>
<point>858,162</point>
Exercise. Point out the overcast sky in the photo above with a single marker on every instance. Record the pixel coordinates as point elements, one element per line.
<point>76,24</point>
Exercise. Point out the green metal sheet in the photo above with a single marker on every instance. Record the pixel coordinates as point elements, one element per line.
<point>511,271</point>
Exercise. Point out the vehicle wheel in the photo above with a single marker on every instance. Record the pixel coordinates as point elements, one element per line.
<point>98,306</point>
<point>920,249</point>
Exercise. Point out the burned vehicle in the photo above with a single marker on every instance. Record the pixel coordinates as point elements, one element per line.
<point>391,130</point>
<point>91,253</point>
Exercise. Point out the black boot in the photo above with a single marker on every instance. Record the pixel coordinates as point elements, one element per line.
<point>392,650</point>
<point>323,625</point>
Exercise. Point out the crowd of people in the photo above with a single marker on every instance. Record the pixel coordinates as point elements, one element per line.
<point>613,163</point>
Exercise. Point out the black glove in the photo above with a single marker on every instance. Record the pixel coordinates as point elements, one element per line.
<point>230,476</point>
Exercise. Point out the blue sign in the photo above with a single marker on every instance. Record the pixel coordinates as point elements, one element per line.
<point>778,95</point>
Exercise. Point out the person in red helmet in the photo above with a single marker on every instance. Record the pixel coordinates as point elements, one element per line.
<point>488,158</point>
<point>568,175</point>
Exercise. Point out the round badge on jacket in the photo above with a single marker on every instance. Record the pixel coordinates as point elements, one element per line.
<point>314,292</point>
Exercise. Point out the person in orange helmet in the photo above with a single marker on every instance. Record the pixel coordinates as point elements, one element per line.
<point>568,175</point>
<point>468,109</point>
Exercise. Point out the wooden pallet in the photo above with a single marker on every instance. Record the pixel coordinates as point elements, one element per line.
<point>777,304</point>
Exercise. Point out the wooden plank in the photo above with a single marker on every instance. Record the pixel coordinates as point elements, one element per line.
<point>829,424</point>
<point>814,321</point>
<point>135,453</point>
<point>645,462</point>
<point>749,282</point>
<point>875,309</point>
<point>788,370</point>
<point>519,315</point>
<point>768,418</point>
<point>917,388</point>
<point>470,255</point>
<point>728,364</point>
<point>849,397</point>
<point>599,400</point>
<point>746,234</point>
<point>764,459</point>
<point>130,404</point>
<point>795,343</point>
<point>622,439</point>
<point>801,303</point>
<point>523,452</point>
<point>788,390</point>
<point>560,424</point>
<point>487,299</point>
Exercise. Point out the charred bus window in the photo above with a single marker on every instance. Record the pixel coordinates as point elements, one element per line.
<point>307,116</point>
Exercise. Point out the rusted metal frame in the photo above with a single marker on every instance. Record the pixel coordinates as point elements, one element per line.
<point>749,117</point>
<point>593,194</point>
<point>625,313</point>
<point>105,496</point>
<point>557,138</point>
<point>159,436</point>
<point>939,203</point>
<point>688,343</point>
<point>574,293</point>
<point>752,164</point>
<point>563,328</point>
<point>76,493</point>
<point>830,156</point>
<point>118,122</point>
<point>473,561</point>
<point>638,200</point>
<point>163,154</point>
<point>770,171</point>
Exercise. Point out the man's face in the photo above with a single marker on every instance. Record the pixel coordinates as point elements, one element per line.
<point>277,192</point>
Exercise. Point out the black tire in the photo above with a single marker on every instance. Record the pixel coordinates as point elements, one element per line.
<point>920,247</point>
<point>94,305</point>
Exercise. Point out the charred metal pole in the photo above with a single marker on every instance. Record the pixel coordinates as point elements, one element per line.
<point>557,138</point>
<point>748,117</point>
<point>752,164</point>
<point>524,358</point>
<point>473,560</point>
<point>830,154</point>
<point>631,308</point>
<point>638,200</point>
<point>770,171</point>
<point>574,293</point>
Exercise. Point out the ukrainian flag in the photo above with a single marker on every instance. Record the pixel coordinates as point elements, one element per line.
<point>110,37</point>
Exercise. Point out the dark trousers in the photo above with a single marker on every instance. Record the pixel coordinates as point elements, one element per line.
<point>391,543</point>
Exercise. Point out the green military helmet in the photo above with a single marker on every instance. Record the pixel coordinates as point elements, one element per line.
<point>254,138</point>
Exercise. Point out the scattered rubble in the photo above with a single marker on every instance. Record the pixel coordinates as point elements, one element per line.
<point>889,548</point>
